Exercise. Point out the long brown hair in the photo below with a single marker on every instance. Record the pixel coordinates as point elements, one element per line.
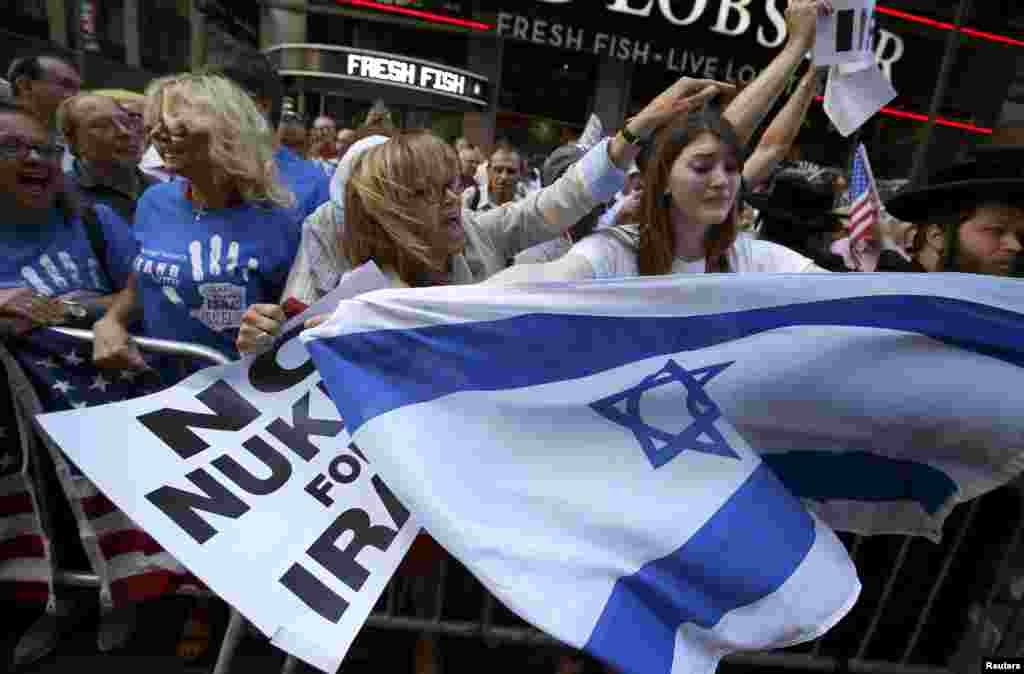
<point>394,207</point>
<point>657,236</point>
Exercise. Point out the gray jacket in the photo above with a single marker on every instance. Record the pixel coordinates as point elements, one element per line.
<point>493,237</point>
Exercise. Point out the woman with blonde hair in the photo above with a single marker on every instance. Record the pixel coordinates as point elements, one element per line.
<point>215,243</point>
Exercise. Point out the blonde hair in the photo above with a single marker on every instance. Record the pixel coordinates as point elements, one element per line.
<point>241,141</point>
<point>394,206</point>
<point>120,95</point>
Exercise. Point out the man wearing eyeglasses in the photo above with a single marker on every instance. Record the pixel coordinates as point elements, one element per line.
<point>107,141</point>
<point>41,82</point>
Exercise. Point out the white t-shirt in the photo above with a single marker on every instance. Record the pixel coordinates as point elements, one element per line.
<point>612,257</point>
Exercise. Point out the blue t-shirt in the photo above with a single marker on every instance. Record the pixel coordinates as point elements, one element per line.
<point>198,272</point>
<point>57,259</point>
<point>310,184</point>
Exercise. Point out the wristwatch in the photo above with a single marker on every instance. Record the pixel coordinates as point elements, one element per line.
<point>78,313</point>
<point>631,138</point>
<point>74,310</point>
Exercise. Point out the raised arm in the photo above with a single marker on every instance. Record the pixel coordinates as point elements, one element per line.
<point>747,111</point>
<point>779,137</point>
<point>552,211</point>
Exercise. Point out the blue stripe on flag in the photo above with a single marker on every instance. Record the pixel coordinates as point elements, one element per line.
<point>742,554</point>
<point>859,476</point>
<point>371,373</point>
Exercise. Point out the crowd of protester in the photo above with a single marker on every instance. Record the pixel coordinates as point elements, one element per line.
<point>193,210</point>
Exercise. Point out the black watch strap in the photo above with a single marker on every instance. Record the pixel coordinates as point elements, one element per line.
<point>631,137</point>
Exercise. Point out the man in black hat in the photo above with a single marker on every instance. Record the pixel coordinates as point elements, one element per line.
<point>970,217</point>
<point>796,212</point>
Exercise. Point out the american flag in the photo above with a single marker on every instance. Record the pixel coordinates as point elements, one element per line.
<point>865,205</point>
<point>25,554</point>
<point>130,564</point>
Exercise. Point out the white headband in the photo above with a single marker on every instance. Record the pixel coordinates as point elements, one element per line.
<point>344,170</point>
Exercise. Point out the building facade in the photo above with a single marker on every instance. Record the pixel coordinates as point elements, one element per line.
<point>546,65</point>
<point>535,70</point>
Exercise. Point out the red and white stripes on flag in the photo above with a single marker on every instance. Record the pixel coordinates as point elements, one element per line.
<point>26,554</point>
<point>865,206</point>
<point>26,570</point>
<point>131,565</point>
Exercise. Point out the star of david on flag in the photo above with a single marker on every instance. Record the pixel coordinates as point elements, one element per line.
<point>662,446</point>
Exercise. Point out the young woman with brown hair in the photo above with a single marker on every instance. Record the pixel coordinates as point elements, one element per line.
<point>402,210</point>
<point>692,186</point>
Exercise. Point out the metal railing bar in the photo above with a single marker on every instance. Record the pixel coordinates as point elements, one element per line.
<point>947,562</point>
<point>392,598</point>
<point>291,664</point>
<point>232,636</point>
<point>829,664</point>
<point>91,580</point>
<point>521,635</point>
<point>854,549</point>
<point>1004,564</point>
<point>887,590</point>
<point>158,345</point>
<point>442,573</point>
<point>486,618</point>
<point>463,628</point>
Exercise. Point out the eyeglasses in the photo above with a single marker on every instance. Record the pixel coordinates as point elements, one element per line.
<point>129,119</point>
<point>63,83</point>
<point>18,150</point>
<point>435,194</point>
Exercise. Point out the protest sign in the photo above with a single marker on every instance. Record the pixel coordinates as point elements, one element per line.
<point>246,474</point>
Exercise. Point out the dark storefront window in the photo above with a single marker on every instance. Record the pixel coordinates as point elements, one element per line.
<point>26,17</point>
<point>549,82</point>
<point>163,36</point>
<point>430,45</point>
<point>329,29</point>
<point>110,29</point>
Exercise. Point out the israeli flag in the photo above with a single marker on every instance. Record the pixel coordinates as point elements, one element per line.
<point>593,451</point>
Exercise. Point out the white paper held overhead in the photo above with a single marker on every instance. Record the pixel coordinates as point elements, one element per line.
<point>854,94</point>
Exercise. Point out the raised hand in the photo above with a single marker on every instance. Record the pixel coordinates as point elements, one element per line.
<point>684,95</point>
<point>801,20</point>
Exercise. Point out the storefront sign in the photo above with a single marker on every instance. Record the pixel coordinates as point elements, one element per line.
<point>683,36</point>
<point>420,75</point>
<point>377,67</point>
<point>694,63</point>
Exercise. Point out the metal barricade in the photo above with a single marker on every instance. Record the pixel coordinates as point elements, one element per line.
<point>902,576</point>
<point>891,568</point>
<point>236,628</point>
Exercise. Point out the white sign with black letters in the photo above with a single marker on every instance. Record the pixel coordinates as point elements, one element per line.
<point>246,474</point>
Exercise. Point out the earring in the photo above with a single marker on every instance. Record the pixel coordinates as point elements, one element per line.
<point>666,200</point>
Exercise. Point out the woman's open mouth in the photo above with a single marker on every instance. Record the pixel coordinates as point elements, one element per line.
<point>35,183</point>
